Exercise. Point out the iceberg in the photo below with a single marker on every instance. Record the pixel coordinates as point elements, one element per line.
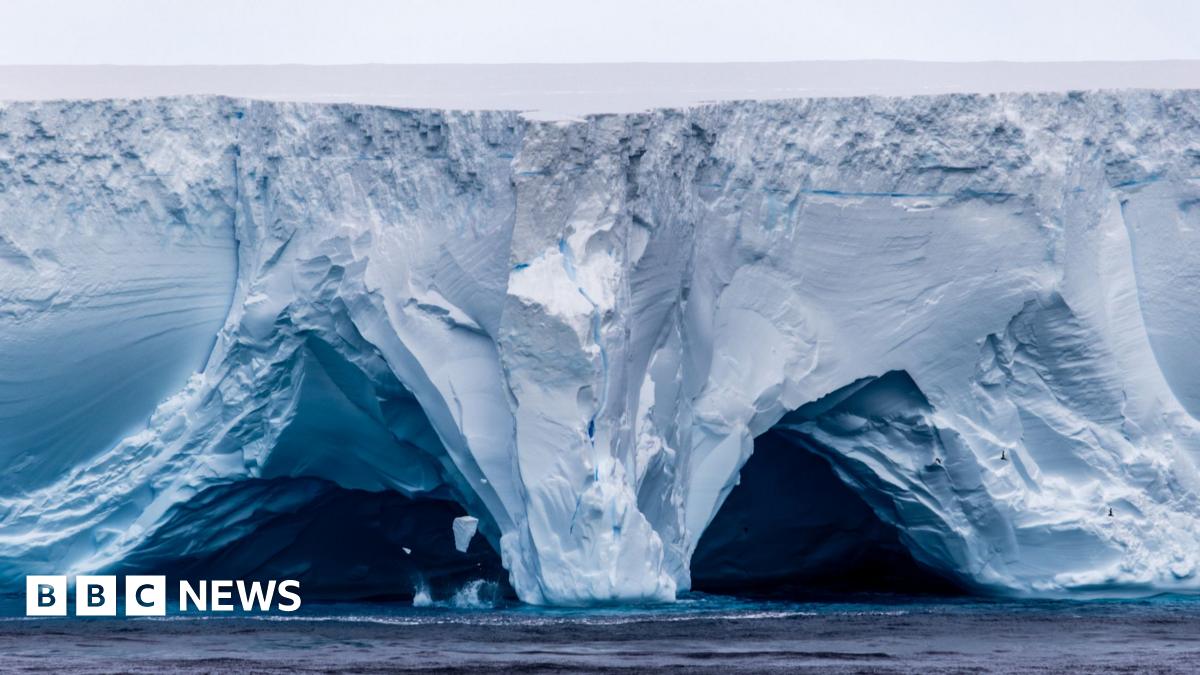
<point>222,319</point>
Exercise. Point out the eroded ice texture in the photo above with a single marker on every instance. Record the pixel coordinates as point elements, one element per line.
<point>980,311</point>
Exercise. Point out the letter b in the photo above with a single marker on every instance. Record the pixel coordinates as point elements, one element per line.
<point>45,595</point>
<point>95,595</point>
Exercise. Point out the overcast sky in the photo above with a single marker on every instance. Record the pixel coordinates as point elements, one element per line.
<point>562,31</point>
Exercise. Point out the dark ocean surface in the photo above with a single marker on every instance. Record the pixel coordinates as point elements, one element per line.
<point>877,634</point>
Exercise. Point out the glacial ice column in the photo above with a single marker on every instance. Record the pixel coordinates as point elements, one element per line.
<point>593,287</point>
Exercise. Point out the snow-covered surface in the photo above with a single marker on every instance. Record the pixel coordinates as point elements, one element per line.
<point>568,91</point>
<point>576,329</point>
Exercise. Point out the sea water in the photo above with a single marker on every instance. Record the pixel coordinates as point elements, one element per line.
<point>699,633</point>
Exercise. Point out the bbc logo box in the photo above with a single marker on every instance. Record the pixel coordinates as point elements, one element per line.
<point>45,595</point>
<point>95,595</point>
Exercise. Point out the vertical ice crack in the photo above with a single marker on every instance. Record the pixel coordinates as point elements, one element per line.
<point>569,267</point>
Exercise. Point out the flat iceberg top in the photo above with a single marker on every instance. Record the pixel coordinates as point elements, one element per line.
<point>552,91</point>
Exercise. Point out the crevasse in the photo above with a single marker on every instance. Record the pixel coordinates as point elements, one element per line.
<point>981,311</point>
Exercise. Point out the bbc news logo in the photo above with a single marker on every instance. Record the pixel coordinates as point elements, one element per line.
<point>146,595</point>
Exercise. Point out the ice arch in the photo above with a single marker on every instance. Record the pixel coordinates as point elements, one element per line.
<point>792,528</point>
<point>315,371</point>
<point>862,488</point>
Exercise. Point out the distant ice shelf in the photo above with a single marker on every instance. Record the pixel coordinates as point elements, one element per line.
<point>572,91</point>
<point>222,318</point>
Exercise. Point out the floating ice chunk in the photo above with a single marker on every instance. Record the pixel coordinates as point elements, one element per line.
<point>464,530</point>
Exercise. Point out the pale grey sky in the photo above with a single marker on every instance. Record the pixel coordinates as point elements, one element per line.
<point>169,32</point>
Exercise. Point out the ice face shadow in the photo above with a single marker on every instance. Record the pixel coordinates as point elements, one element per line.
<point>341,544</point>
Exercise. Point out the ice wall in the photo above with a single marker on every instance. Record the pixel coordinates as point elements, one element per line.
<point>576,329</point>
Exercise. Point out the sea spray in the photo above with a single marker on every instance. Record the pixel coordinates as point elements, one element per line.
<point>477,594</point>
<point>421,595</point>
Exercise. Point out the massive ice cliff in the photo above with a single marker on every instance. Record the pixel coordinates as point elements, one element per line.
<point>982,312</point>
